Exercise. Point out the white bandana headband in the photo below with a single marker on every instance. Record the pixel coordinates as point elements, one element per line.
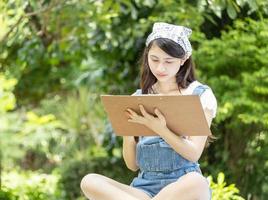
<point>178,34</point>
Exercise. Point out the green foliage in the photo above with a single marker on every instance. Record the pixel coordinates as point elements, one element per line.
<point>83,114</point>
<point>73,171</point>
<point>236,66</point>
<point>7,103</point>
<point>116,52</point>
<point>47,55</point>
<point>35,140</point>
<point>42,56</point>
<point>30,185</point>
<point>220,190</point>
<point>7,98</point>
<point>6,194</point>
<point>233,7</point>
<point>29,140</point>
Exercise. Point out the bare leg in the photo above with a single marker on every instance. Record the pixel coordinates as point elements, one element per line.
<point>99,187</point>
<point>191,186</point>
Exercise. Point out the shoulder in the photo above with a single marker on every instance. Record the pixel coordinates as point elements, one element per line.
<point>191,87</point>
<point>207,97</point>
<point>197,87</point>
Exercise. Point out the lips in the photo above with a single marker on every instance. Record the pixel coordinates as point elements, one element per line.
<point>161,74</point>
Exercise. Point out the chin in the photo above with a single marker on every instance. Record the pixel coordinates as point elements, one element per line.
<point>163,79</point>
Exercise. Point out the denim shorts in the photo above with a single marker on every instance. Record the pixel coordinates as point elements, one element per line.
<point>152,182</point>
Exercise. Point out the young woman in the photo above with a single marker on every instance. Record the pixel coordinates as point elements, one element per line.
<point>168,163</point>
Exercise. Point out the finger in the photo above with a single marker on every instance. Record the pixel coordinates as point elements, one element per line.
<point>132,112</point>
<point>134,116</point>
<point>159,114</point>
<point>128,114</point>
<point>144,112</point>
<point>135,121</point>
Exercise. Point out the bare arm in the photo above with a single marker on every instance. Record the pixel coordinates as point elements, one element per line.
<point>129,152</point>
<point>190,148</point>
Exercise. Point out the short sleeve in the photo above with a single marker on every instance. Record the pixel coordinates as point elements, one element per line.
<point>137,92</point>
<point>209,101</point>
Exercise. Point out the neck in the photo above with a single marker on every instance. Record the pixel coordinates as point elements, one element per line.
<point>166,88</point>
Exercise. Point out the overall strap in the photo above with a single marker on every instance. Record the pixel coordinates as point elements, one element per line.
<point>200,89</point>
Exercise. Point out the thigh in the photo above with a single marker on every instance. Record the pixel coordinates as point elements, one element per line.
<point>97,178</point>
<point>191,186</point>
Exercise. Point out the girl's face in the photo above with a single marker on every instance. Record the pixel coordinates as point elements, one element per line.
<point>163,66</point>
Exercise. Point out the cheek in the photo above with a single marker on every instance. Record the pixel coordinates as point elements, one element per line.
<point>151,65</point>
<point>175,68</point>
<point>172,71</point>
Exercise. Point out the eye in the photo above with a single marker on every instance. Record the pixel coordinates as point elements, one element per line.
<point>154,60</point>
<point>169,62</point>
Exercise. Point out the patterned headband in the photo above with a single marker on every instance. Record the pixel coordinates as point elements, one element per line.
<point>178,34</point>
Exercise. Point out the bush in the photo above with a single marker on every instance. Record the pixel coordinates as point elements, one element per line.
<point>75,170</point>
<point>235,66</point>
<point>7,98</point>
<point>6,194</point>
<point>221,191</point>
<point>29,186</point>
<point>29,140</point>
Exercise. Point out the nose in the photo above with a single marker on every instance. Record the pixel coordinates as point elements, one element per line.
<point>160,67</point>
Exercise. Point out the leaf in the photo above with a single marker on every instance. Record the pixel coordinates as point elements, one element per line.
<point>210,18</point>
<point>253,5</point>
<point>220,178</point>
<point>231,10</point>
<point>241,3</point>
<point>217,10</point>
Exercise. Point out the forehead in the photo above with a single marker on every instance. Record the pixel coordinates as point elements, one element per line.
<point>156,51</point>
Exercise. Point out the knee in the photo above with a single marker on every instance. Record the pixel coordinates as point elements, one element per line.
<point>202,188</point>
<point>91,183</point>
<point>198,180</point>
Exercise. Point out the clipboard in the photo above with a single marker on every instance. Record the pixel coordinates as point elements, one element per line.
<point>183,113</point>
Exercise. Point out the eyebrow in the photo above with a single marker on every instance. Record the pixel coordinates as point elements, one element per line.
<point>167,58</point>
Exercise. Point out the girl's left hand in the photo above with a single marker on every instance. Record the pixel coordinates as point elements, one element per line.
<point>157,124</point>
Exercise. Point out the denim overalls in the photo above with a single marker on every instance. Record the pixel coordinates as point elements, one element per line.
<point>159,164</point>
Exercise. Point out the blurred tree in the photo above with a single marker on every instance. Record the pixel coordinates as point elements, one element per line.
<point>232,7</point>
<point>46,44</point>
<point>236,66</point>
<point>41,45</point>
<point>220,14</point>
